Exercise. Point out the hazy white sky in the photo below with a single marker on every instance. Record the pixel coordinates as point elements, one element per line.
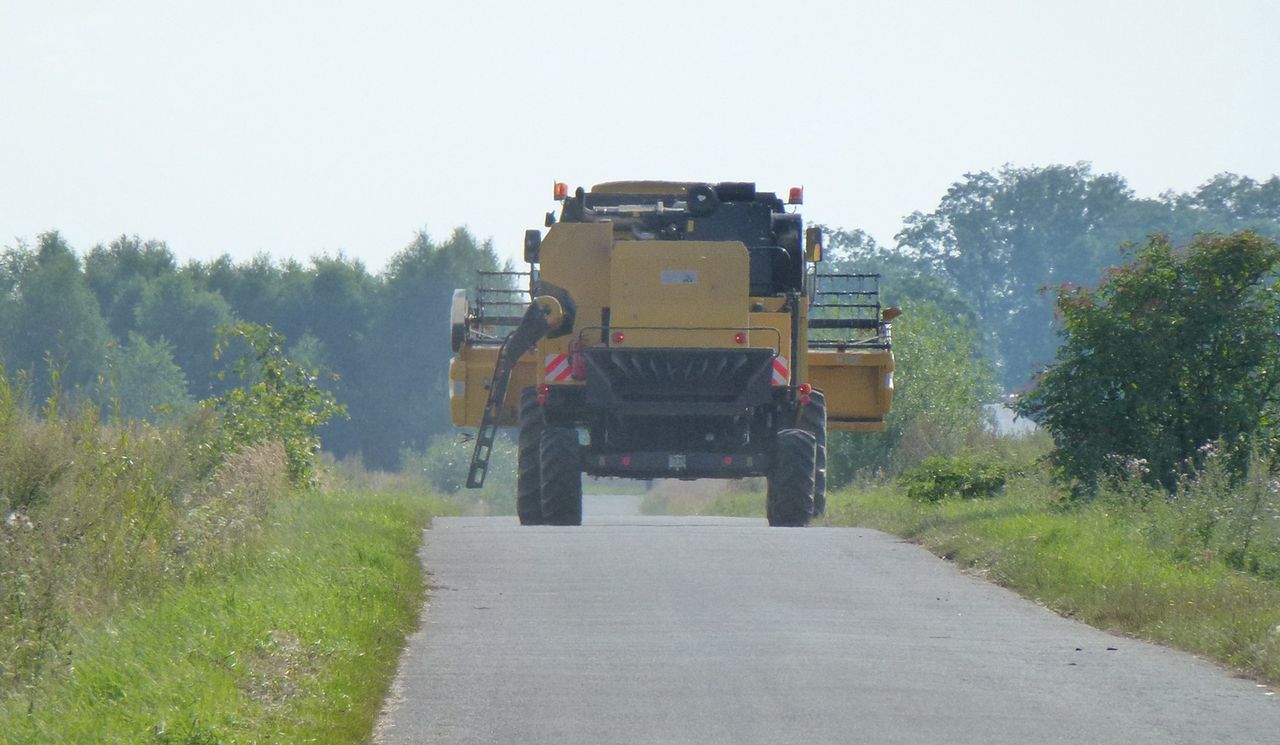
<point>297,128</point>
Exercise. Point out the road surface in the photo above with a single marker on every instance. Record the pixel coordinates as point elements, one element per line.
<point>722,630</point>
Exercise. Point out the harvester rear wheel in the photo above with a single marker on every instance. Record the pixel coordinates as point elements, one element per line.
<point>561,477</point>
<point>813,419</point>
<point>789,501</point>
<point>529,460</point>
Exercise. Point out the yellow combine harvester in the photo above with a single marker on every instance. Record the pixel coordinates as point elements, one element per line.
<point>677,330</point>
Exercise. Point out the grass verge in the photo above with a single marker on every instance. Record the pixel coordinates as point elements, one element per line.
<point>1088,562</point>
<point>294,640</point>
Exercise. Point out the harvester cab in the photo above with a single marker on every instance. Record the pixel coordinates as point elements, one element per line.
<point>670,329</point>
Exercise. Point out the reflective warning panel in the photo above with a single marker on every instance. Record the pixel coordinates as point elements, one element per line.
<point>558,368</point>
<point>781,373</point>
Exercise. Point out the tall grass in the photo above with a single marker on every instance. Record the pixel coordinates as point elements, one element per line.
<point>96,517</point>
<point>159,585</point>
<point>292,639</point>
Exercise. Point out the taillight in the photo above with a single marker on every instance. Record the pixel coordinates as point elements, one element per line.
<point>543,390</point>
<point>728,460</point>
<point>618,337</point>
<point>577,361</point>
<point>626,460</point>
<point>740,338</point>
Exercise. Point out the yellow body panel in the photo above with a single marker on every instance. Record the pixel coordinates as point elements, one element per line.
<point>577,257</point>
<point>858,387</point>
<point>470,372</point>
<point>771,330</point>
<point>679,293</point>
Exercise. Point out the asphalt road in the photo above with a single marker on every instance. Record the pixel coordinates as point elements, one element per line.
<point>720,630</point>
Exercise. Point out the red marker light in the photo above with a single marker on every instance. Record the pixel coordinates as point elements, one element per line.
<point>626,460</point>
<point>618,337</point>
<point>728,460</point>
<point>577,361</point>
<point>740,338</point>
<point>796,195</point>
<point>561,190</point>
<point>804,389</point>
<point>804,399</point>
<point>542,399</point>
<point>544,389</point>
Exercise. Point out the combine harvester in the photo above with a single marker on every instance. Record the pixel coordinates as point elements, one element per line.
<point>670,330</point>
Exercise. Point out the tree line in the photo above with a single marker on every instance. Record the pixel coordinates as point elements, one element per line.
<point>999,241</point>
<point>128,327</point>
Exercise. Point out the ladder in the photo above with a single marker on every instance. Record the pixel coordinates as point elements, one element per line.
<point>532,328</point>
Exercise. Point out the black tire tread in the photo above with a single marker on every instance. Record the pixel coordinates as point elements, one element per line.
<point>529,460</point>
<point>789,499</point>
<point>561,477</point>
<point>813,419</point>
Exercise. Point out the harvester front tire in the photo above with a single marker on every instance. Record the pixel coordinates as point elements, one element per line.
<point>789,500</point>
<point>529,460</point>
<point>813,419</point>
<point>561,477</point>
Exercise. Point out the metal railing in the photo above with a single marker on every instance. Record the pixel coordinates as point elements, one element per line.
<point>844,311</point>
<point>500,301</point>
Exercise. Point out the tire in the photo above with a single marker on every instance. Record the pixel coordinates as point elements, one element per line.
<point>561,477</point>
<point>789,501</point>
<point>813,419</point>
<point>529,460</point>
<point>458,311</point>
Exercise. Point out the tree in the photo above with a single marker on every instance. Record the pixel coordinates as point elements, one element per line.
<point>941,383</point>
<point>339,311</point>
<point>174,309</point>
<point>408,356</point>
<point>904,279</point>
<point>1000,237</point>
<point>1171,352</point>
<point>50,317</point>
<point>276,400</point>
<point>119,274</point>
<point>146,382</point>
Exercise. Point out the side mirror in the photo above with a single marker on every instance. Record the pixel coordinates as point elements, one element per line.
<point>532,245</point>
<point>813,244</point>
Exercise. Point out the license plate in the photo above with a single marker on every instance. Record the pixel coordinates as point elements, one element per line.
<point>676,462</point>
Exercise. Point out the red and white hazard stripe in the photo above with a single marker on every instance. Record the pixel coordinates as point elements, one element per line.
<point>781,373</point>
<point>558,368</point>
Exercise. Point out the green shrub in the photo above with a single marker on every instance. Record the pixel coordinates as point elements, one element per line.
<point>277,400</point>
<point>963,477</point>
<point>1176,349</point>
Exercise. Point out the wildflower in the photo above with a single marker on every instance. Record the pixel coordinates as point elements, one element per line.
<point>15,520</point>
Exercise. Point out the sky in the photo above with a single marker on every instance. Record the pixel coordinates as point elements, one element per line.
<point>307,128</point>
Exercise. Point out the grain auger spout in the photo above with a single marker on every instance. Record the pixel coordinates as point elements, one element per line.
<point>547,316</point>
